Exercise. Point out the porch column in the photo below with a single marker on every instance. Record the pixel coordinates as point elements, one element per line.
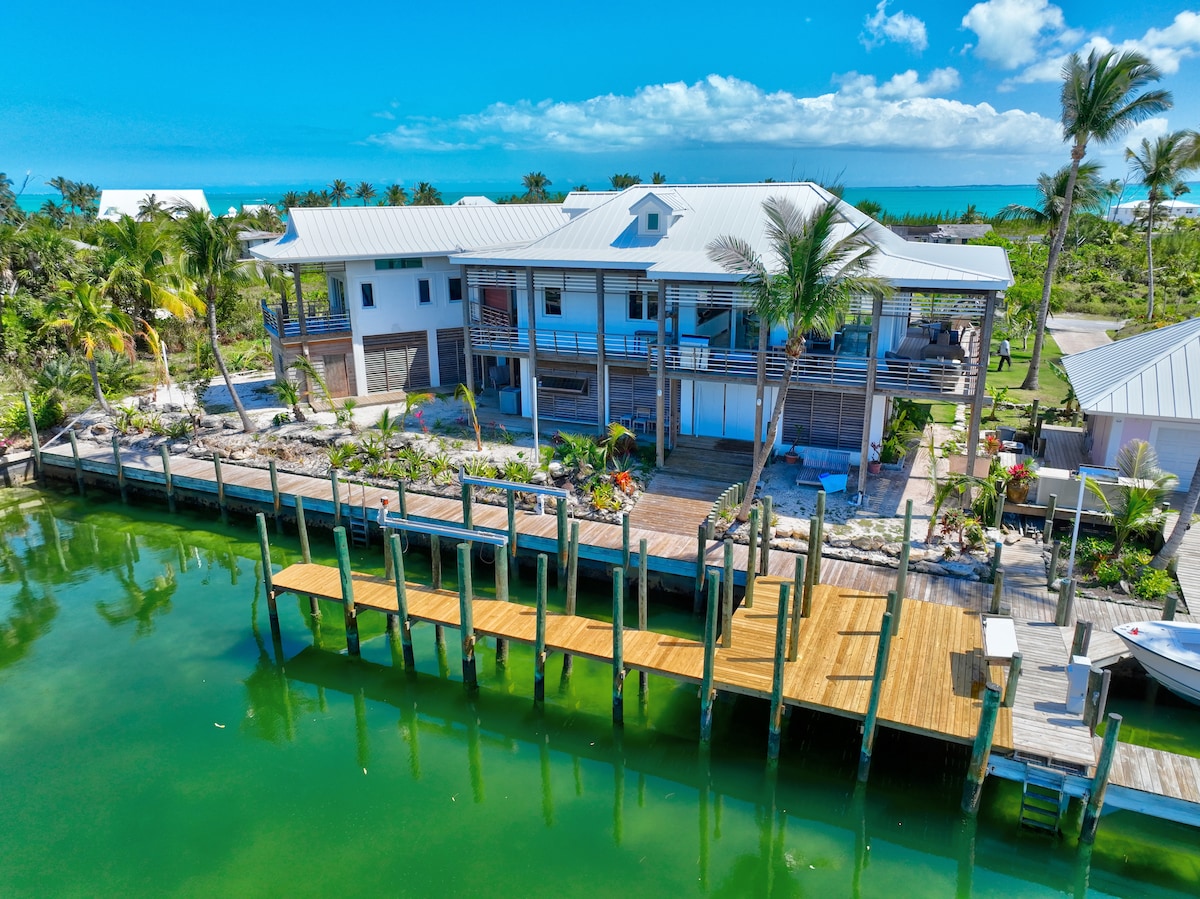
<point>306,391</point>
<point>872,368</point>
<point>601,381</point>
<point>660,379</point>
<point>985,343</point>
<point>467,351</point>
<point>760,382</point>
<point>531,305</point>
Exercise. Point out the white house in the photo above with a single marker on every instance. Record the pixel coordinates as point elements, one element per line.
<point>1145,387</point>
<point>116,203</point>
<point>1169,210</point>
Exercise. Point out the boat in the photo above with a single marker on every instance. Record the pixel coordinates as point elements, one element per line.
<point>1169,651</point>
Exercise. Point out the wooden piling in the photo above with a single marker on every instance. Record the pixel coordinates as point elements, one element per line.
<point>302,530</point>
<point>701,549</point>
<point>1014,677</point>
<point>467,499</point>
<point>1062,609</point>
<point>624,541</point>
<point>466,610</point>
<point>572,589</point>
<point>781,625</point>
<point>1048,523</point>
<point>643,607</point>
<point>707,693</point>
<point>116,446</point>
<point>618,653</point>
<point>36,446</point>
<point>1169,606</point>
<point>752,557</point>
<point>1000,497</point>
<point>764,549</point>
<point>337,499</point>
<point>510,504</point>
<point>561,514</point>
<point>815,560</point>
<point>401,499</point>
<point>79,463</point>
<point>276,502</point>
<point>351,614</point>
<point>727,596</point>
<point>168,480</point>
<point>435,579</point>
<point>1082,638</point>
<point>799,609</point>
<point>539,646</point>
<point>1099,681</point>
<point>500,571</point>
<point>1052,572</point>
<point>220,484</point>
<point>401,616</point>
<point>264,546</point>
<point>1095,803</point>
<point>977,770</point>
<point>905,551</point>
<point>997,592</point>
<point>997,550</point>
<point>881,662</point>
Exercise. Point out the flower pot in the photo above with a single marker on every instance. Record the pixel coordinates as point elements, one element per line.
<point>874,467</point>
<point>791,457</point>
<point>1017,493</point>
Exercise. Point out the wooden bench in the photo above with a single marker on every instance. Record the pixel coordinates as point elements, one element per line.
<point>822,461</point>
<point>999,638</point>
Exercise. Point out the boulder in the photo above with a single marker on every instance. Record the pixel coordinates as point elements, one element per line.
<point>927,567</point>
<point>210,422</point>
<point>870,542</point>
<point>893,549</point>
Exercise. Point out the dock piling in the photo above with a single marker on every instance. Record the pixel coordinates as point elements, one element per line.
<point>539,646</point>
<point>1062,609</point>
<point>116,446</point>
<point>1052,571</point>
<point>815,560</point>
<point>1014,676</point>
<point>500,571</point>
<point>302,530</point>
<point>799,609</point>
<point>560,511</point>
<point>337,498</point>
<point>781,626</point>
<point>997,592</point>
<point>1000,497</point>
<point>572,589</point>
<point>36,447</point>
<point>1095,803</point>
<point>764,549</point>
<point>727,596</point>
<point>905,551</point>
<point>466,609</point>
<point>435,577</point>
<point>168,480</point>
<point>618,654</point>
<point>265,548</point>
<point>401,616</point>
<point>510,507</point>
<point>643,608</point>
<point>701,550</point>
<point>351,614</point>
<point>977,771</point>
<point>624,541</point>
<point>997,550</point>
<point>467,500</point>
<point>707,693</point>
<point>275,500</point>
<point>1048,523</point>
<point>79,463</point>
<point>1169,606</point>
<point>219,475</point>
<point>1094,703</point>
<point>881,663</point>
<point>401,499</point>
<point>752,556</point>
<point>1082,639</point>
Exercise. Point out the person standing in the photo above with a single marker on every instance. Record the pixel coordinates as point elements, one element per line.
<point>1005,355</point>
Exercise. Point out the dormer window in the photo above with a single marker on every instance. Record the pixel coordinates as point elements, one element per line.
<point>657,211</point>
<point>651,221</point>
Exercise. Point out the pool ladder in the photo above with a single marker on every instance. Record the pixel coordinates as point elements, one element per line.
<point>1044,799</point>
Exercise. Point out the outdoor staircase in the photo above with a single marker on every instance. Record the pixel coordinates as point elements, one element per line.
<point>1043,799</point>
<point>682,493</point>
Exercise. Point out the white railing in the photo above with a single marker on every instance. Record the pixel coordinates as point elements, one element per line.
<point>321,322</point>
<point>561,343</point>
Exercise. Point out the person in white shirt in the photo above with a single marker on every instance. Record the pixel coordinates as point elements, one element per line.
<point>1005,354</point>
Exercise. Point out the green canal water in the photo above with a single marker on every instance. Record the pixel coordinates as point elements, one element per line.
<point>154,741</point>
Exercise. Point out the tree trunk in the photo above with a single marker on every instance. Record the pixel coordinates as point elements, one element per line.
<point>1171,547</point>
<point>1056,245</point>
<point>211,295</point>
<point>95,372</point>
<point>764,451</point>
<point>1150,258</point>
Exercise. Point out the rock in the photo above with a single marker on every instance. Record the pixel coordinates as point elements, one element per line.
<point>230,424</point>
<point>893,549</point>
<point>917,555</point>
<point>556,469</point>
<point>240,454</point>
<point>210,422</point>
<point>872,543</point>
<point>1011,537</point>
<point>539,477</point>
<point>784,531</point>
<point>927,567</point>
<point>179,447</point>
<point>959,569</point>
<point>100,428</point>
<point>839,542</point>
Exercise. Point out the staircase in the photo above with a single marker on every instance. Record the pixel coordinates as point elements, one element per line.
<point>697,472</point>
<point>1043,800</point>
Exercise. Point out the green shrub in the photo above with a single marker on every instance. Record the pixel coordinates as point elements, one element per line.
<point>1109,572</point>
<point>47,412</point>
<point>1153,584</point>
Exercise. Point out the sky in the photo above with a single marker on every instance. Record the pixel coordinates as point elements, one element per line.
<point>864,92</point>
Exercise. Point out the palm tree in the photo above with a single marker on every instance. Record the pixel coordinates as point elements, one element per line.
<point>289,395</point>
<point>66,188</point>
<point>365,192</point>
<point>535,187</point>
<point>91,322</point>
<point>1137,508</point>
<point>814,271</point>
<point>1102,99</point>
<point>1160,166</point>
<point>138,274</point>
<point>1186,512</point>
<point>658,178</point>
<point>412,401</point>
<point>290,200</point>
<point>425,194</point>
<point>464,394</point>
<point>623,180</point>
<point>210,259</point>
<point>1090,193</point>
<point>395,195</point>
<point>338,191</point>
<point>151,208</point>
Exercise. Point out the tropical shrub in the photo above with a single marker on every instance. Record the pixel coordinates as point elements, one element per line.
<point>1153,584</point>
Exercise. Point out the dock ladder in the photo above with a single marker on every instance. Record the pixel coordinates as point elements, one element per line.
<point>1044,799</point>
<point>358,522</point>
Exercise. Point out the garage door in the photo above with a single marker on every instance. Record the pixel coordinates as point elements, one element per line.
<point>1177,450</point>
<point>396,361</point>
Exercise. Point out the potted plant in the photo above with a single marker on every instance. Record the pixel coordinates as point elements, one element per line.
<point>791,457</point>
<point>893,449</point>
<point>1017,480</point>
<point>874,463</point>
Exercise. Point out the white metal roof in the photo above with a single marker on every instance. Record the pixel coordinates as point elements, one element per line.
<point>116,203</point>
<point>607,236</point>
<point>474,200</point>
<point>331,234</point>
<point>1154,375</point>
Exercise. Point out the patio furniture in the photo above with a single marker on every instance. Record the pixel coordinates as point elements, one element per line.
<point>818,462</point>
<point>834,483</point>
<point>643,419</point>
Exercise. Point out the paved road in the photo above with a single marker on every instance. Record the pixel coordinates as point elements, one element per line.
<point>1074,334</point>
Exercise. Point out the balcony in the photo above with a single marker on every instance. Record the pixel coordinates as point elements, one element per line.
<point>317,322</point>
<point>503,340</point>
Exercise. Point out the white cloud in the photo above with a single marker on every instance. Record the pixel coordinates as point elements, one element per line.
<point>902,113</point>
<point>900,28</point>
<point>1012,32</point>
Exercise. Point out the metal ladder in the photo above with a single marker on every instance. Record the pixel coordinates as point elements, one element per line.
<point>1044,799</point>
<point>358,522</point>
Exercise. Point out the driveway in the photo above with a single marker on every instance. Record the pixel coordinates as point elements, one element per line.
<point>1074,334</point>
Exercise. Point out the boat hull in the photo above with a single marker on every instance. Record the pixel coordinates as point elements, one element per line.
<point>1170,653</point>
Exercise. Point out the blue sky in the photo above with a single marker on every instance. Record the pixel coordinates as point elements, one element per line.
<point>219,94</point>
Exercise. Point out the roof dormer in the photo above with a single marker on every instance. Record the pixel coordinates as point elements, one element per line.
<point>657,211</point>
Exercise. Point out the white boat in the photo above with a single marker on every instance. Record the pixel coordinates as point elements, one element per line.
<point>1169,651</point>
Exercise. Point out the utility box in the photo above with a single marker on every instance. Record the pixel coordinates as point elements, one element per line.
<point>1077,680</point>
<point>510,400</point>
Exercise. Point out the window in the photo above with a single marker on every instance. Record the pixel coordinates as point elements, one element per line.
<point>651,221</point>
<point>643,306</point>
<point>455,288</point>
<point>552,301</point>
<point>383,265</point>
<point>423,295</point>
<point>368,296</point>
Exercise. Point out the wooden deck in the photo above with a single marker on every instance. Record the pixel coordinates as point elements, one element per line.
<point>697,472</point>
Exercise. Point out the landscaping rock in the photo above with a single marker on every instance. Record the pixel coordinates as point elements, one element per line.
<point>927,567</point>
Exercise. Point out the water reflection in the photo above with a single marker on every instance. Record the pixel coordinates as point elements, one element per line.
<point>138,603</point>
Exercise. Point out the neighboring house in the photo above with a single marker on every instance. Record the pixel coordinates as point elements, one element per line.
<point>1166,210</point>
<point>392,315</point>
<point>680,349</point>
<point>1144,387</point>
<point>944,233</point>
<point>116,203</point>
<point>249,239</point>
